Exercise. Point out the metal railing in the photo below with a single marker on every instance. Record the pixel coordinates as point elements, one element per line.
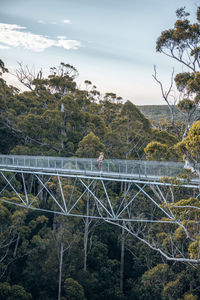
<point>124,168</point>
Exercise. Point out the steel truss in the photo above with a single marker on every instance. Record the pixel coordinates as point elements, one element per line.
<point>115,200</point>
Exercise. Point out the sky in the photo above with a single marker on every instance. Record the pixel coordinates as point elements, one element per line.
<point>110,42</point>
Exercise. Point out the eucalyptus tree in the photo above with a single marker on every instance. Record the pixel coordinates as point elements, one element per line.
<point>53,102</point>
<point>13,292</point>
<point>110,107</point>
<point>182,44</point>
<point>132,130</point>
<point>166,282</point>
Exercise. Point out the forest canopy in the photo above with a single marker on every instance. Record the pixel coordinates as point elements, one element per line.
<point>51,256</point>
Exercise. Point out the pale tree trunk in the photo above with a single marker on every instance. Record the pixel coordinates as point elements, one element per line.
<point>40,189</point>
<point>16,246</point>
<point>86,243</point>
<point>60,270</point>
<point>122,252</point>
<point>86,233</point>
<point>122,261</point>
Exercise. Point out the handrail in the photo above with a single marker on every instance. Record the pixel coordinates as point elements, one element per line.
<point>109,166</point>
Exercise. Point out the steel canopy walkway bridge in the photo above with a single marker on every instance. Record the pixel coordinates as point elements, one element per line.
<point>76,187</point>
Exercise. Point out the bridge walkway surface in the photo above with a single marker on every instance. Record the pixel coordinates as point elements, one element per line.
<point>111,168</point>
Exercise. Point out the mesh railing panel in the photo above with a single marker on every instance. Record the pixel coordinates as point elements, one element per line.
<point>133,167</point>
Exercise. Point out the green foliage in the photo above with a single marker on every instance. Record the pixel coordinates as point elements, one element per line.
<point>181,43</point>
<point>5,290</point>
<point>192,141</point>
<point>181,35</point>
<point>3,68</point>
<point>90,146</point>
<point>73,290</point>
<point>189,296</point>
<point>181,13</point>
<point>8,292</point>
<point>18,292</point>
<point>190,146</point>
<point>194,249</point>
<point>130,111</point>
<point>182,80</point>
<point>186,105</point>
<point>164,137</point>
<point>157,151</point>
<point>154,281</point>
<point>130,133</point>
<point>174,289</point>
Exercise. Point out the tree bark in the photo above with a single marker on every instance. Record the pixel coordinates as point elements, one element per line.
<point>85,243</point>
<point>16,246</point>
<point>122,262</point>
<point>60,270</point>
<point>86,234</point>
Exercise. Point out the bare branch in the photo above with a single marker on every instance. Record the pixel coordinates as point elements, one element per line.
<point>166,94</point>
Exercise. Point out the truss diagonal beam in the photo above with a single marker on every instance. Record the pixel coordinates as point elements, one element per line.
<point>69,202</point>
<point>103,207</point>
<point>74,205</point>
<point>12,188</point>
<point>51,194</point>
<point>25,191</point>
<point>100,203</point>
<point>122,202</point>
<point>61,190</point>
<point>7,183</point>
<point>109,202</point>
<point>129,203</point>
<point>39,191</point>
<point>155,202</point>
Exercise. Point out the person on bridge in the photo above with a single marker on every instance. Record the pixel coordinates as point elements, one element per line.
<point>101,157</point>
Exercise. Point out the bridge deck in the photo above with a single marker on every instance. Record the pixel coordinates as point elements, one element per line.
<point>88,166</point>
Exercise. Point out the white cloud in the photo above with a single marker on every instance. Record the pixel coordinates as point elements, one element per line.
<point>41,22</point>
<point>66,21</point>
<point>4,26</point>
<point>68,44</point>
<point>44,22</point>
<point>12,36</point>
<point>4,47</point>
<point>61,37</point>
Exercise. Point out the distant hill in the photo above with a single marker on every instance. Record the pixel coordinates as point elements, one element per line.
<point>158,112</point>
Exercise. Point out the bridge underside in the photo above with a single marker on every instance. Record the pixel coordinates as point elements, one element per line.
<point>115,200</point>
<point>151,201</point>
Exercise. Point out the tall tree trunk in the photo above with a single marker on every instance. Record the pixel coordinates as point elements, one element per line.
<point>60,270</point>
<point>86,243</point>
<point>122,262</point>
<point>40,189</point>
<point>16,246</point>
<point>86,234</point>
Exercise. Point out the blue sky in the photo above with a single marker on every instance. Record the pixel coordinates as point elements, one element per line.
<point>110,42</point>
